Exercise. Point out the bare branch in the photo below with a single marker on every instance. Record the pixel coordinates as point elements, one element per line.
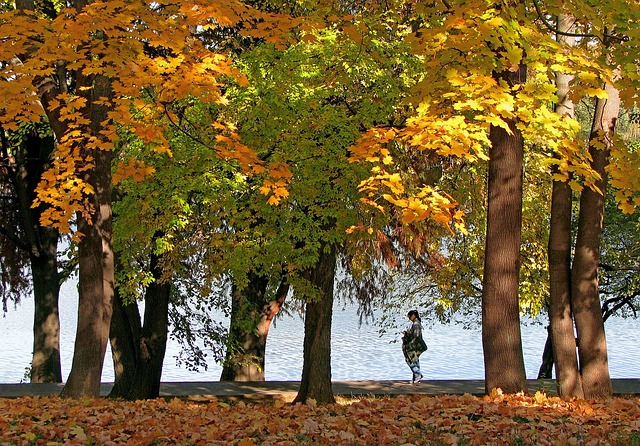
<point>14,239</point>
<point>607,267</point>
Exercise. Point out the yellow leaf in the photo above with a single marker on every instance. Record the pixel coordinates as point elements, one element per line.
<point>495,121</point>
<point>540,397</point>
<point>29,436</point>
<point>575,186</point>
<point>597,92</point>
<point>393,200</point>
<point>627,207</point>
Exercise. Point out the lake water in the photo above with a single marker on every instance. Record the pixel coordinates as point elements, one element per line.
<point>358,352</point>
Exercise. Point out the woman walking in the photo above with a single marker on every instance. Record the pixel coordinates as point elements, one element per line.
<point>413,345</point>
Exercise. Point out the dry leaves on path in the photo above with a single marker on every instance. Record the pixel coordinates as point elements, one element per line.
<point>405,420</point>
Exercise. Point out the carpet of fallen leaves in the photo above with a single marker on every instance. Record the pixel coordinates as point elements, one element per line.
<point>403,420</point>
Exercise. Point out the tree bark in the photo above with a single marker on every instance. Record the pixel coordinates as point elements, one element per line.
<point>561,331</point>
<point>585,300</point>
<point>501,338</point>
<point>124,336</point>
<point>95,288</point>
<point>95,257</point>
<point>28,5</point>
<point>138,349</point>
<point>251,314</point>
<point>42,246</point>
<point>316,368</point>
<point>45,365</point>
<point>560,312</point>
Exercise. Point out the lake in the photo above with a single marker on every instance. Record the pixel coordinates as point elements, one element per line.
<point>358,352</point>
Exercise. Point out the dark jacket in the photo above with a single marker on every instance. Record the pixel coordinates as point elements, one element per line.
<point>412,343</point>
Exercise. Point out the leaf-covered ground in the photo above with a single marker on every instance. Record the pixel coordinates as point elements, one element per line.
<point>403,420</point>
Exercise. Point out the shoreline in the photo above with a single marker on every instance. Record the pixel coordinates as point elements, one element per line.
<point>622,386</point>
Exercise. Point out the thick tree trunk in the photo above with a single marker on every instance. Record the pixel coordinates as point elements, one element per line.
<point>501,338</point>
<point>139,350</point>
<point>42,245</point>
<point>592,344</point>
<point>96,262</point>
<point>251,314</point>
<point>316,368</point>
<point>25,4</point>
<point>244,358</point>
<point>45,366</point>
<point>95,287</point>
<point>561,332</point>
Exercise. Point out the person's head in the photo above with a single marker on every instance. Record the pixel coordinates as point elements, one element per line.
<point>413,314</point>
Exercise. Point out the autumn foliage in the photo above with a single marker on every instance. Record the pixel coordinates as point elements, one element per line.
<point>496,419</point>
<point>145,56</point>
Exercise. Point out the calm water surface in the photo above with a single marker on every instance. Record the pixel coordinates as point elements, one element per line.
<point>358,352</point>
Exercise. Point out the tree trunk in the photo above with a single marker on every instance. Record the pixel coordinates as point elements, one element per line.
<point>559,255</point>
<point>138,350</point>
<point>316,368</point>
<point>95,287</point>
<point>42,245</point>
<point>252,311</point>
<point>585,300</point>
<point>95,257</point>
<point>501,339</point>
<point>124,335</point>
<point>45,365</point>
<point>560,311</point>
<point>153,342</point>
<point>546,368</point>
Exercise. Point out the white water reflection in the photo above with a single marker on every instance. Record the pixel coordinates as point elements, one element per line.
<point>358,353</point>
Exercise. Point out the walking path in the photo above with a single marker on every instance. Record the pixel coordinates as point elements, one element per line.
<point>290,388</point>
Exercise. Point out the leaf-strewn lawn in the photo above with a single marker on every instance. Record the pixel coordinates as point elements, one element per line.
<point>403,420</point>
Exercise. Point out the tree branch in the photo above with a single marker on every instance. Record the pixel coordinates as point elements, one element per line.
<point>16,241</point>
<point>622,301</point>
<point>607,267</point>
<point>554,29</point>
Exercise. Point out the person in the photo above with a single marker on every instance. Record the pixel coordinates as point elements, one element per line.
<point>413,345</point>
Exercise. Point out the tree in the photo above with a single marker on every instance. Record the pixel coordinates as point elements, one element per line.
<point>95,257</point>
<point>301,111</point>
<point>86,69</point>
<point>501,340</point>
<point>138,349</point>
<point>583,291</point>
<point>460,103</point>
<point>592,347</point>
<point>561,334</point>
<point>26,155</point>
<point>253,309</point>
<point>316,369</point>
<point>172,243</point>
